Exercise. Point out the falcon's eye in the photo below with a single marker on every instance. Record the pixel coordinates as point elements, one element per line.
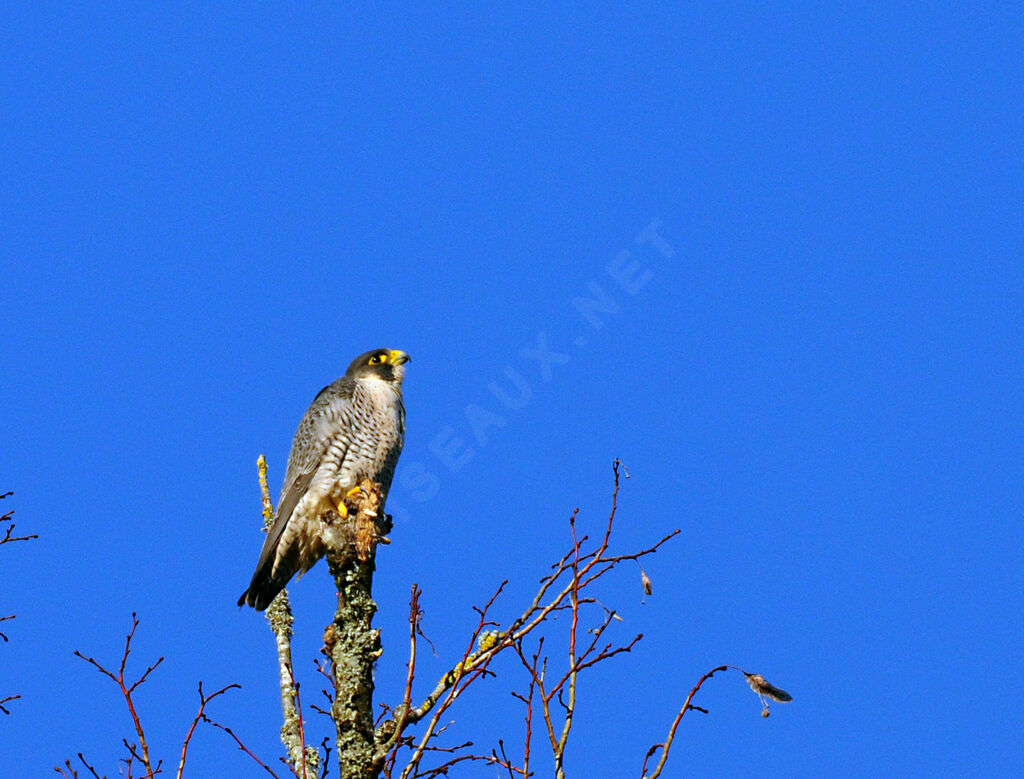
<point>377,359</point>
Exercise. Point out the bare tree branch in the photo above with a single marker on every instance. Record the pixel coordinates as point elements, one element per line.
<point>757,683</point>
<point>560,590</point>
<point>200,715</point>
<point>389,738</point>
<point>666,745</point>
<point>140,751</point>
<point>241,746</point>
<point>127,690</point>
<point>70,773</point>
<point>368,749</point>
<point>9,538</point>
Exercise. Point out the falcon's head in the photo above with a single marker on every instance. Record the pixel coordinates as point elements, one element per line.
<point>384,364</point>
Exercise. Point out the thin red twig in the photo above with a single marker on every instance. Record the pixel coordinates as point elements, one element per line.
<point>126,691</point>
<point>200,715</point>
<point>241,746</point>
<point>666,745</point>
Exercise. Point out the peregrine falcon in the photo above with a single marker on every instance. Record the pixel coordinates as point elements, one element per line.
<point>354,429</point>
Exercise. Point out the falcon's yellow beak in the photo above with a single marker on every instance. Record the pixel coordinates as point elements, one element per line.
<point>398,357</point>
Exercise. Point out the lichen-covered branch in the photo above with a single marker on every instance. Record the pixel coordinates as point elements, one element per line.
<point>304,761</point>
<point>351,643</point>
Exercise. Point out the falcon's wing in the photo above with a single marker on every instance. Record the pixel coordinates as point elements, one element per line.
<point>290,497</point>
<point>284,513</point>
<point>311,441</point>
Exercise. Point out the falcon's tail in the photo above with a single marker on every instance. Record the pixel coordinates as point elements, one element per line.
<point>262,590</point>
<point>275,569</point>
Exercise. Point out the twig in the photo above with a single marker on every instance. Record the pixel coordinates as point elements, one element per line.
<point>200,715</point>
<point>560,590</point>
<point>126,691</point>
<point>326,761</point>
<point>470,659</point>
<point>443,769</point>
<point>323,668</point>
<point>389,739</point>
<point>241,746</point>
<point>91,769</point>
<point>4,619</point>
<point>528,700</point>
<point>70,773</point>
<point>504,759</point>
<point>307,759</point>
<point>570,708</point>
<point>666,745</point>
<point>472,666</point>
<point>9,537</point>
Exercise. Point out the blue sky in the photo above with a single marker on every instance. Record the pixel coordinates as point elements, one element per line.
<point>815,371</point>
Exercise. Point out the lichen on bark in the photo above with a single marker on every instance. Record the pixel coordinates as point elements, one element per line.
<point>350,641</point>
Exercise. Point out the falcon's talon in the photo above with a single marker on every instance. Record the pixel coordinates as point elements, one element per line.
<point>355,491</point>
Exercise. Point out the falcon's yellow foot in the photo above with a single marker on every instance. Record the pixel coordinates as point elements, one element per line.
<point>343,511</point>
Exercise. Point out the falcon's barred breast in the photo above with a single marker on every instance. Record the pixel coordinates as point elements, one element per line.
<point>354,429</point>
